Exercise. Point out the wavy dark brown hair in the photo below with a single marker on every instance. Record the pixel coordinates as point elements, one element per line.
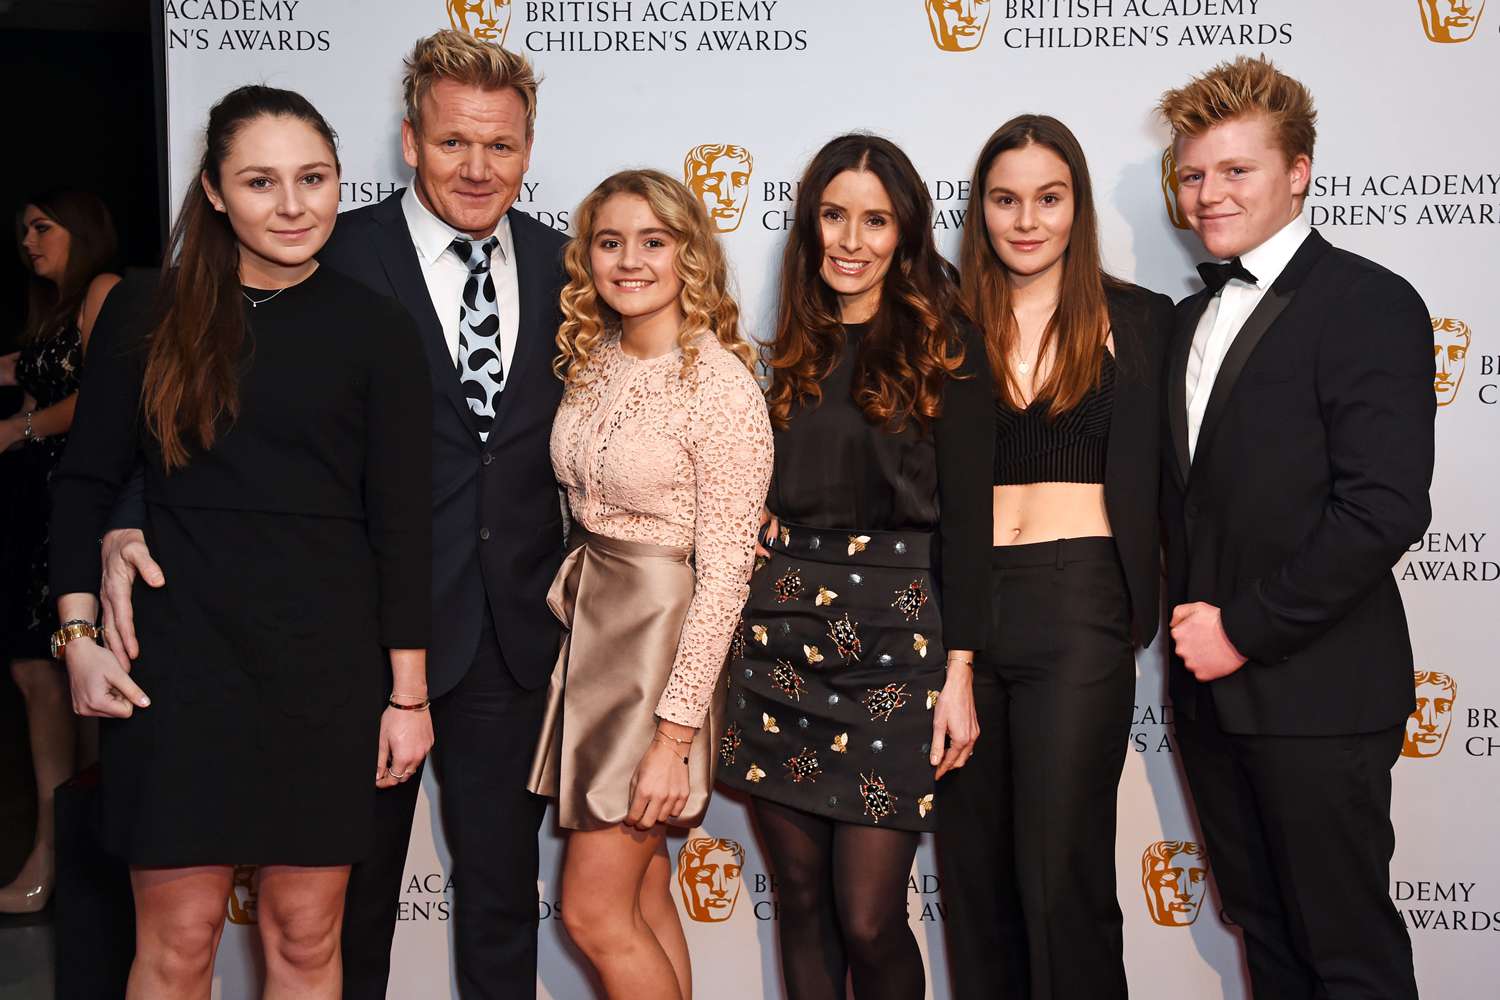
<point>194,349</point>
<point>92,247</point>
<point>913,344</point>
<point>1080,325</point>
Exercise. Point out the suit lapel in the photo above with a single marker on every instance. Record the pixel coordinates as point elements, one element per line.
<point>532,334</point>
<point>398,255</point>
<point>1188,315</point>
<point>1269,309</point>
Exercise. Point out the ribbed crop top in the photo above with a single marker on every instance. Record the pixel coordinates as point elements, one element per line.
<point>1031,448</point>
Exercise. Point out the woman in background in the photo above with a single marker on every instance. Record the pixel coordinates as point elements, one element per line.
<point>1028,840</point>
<point>849,680</point>
<point>67,243</point>
<point>281,412</point>
<point>664,448</point>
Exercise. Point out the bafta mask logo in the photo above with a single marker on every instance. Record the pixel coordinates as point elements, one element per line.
<point>1450,347</point>
<point>958,25</point>
<point>1450,20</point>
<point>1174,876</point>
<point>719,173</point>
<point>242,895</point>
<point>1427,727</point>
<point>486,20</point>
<point>708,875</point>
<point>1170,188</point>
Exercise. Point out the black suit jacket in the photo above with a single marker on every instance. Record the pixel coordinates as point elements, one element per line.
<point>1309,481</point>
<point>497,531</point>
<point>1142,324</point>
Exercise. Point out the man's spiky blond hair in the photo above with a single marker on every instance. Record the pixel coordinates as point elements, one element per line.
<point>1238,89</point>
<point>457,56</point>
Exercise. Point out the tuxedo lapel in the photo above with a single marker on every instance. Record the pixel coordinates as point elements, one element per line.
<point>398,255</point>
<point>534,334</point>
<point>1188,315</point>
<point>1270,308</point>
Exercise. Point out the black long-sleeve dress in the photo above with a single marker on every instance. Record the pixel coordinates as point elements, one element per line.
<point>880,565</point>
<point>296,551</point>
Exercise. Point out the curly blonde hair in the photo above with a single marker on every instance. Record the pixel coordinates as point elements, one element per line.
<point>707,305</point>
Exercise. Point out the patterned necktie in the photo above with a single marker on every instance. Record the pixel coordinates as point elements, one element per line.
<point>1216,276</point>
<point>480,368</point>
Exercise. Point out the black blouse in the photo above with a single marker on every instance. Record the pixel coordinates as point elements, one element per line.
<point>835,469</point>
<point>335,421</point>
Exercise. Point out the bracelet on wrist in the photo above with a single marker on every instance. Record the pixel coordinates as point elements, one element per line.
<point>673,745</point>
<point>27,434</point>
<point>420,706</point>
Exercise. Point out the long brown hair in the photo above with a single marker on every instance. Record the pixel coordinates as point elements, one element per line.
<point>913,343</point>
<point>92,245</point>
<point>706,301</point>
<point>195,349</point>
<point>1078,328</point>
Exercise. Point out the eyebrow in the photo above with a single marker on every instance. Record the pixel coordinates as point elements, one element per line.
<point>1002,189</point>
<point>653,231</point>
<point>871,211</point>
<point>271,170</point>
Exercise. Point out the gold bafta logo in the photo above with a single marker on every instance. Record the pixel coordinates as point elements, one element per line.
<point>1450,349</point>
<point>1450,20</point>
<point>486,20</point>
<point>958,25</point>
<point>1427,727</point>
<point>242,895</point>
<point>719,174</point>
<point>1174,876</point>
<point>709,873</point>
<point>1170,188</point>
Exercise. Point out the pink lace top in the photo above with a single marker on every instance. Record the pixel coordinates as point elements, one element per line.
<point>649,456</point>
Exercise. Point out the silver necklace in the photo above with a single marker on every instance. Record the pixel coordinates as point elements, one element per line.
<point>257,303</point>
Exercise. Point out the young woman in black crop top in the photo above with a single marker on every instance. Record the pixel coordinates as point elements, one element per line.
<point>1074,574</point>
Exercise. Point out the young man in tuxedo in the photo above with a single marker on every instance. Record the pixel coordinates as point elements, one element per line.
<point>1299,455</point>
<point>482,281</point>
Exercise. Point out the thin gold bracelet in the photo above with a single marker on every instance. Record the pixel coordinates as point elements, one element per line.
<point>420,706</point>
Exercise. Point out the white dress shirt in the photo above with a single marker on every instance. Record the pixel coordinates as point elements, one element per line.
<point>1226,314</point>
<point>445,274</point>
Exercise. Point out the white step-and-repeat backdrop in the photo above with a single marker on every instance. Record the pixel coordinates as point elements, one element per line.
<point>1407,172</point>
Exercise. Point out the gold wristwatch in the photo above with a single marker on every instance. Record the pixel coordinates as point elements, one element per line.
<point>75,629</point>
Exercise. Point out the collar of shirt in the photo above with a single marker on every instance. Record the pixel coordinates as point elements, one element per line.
<point>432,236</point>
<point>1268,260</point>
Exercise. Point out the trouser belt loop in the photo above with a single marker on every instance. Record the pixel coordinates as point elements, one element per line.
<point>1059,550</point>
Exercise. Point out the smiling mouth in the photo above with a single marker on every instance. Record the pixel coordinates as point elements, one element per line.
<point>292,234</point>
<point>1026,245</point>
<point>844,265</point>
<point>633,284</point>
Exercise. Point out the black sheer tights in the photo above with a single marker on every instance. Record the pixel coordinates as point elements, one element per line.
<point>842,894</point>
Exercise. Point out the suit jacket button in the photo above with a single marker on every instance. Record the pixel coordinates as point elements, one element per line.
<point>484,534</point>
<point>487,458</point>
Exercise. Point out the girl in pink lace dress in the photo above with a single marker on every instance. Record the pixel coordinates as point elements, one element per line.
<point>664,447</point>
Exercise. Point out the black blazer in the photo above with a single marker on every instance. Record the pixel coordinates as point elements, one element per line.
<point>1309,482</point>
<point>1142,324</point>
<point>497,531</point>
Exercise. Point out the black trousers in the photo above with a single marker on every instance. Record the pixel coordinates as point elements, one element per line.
<point>1026,830</point>
<point>1299,840</point>
<point>486,730</point>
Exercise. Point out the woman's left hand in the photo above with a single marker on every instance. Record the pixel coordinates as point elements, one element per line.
<point>405,739</point>
<point>955,723</point>
<point>659,790</point>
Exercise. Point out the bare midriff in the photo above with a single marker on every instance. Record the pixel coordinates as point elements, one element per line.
<point>1045,512</point>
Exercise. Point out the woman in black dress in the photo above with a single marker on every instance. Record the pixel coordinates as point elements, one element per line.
<point>282,415</point>
<point>1027,845</point>
<point>67,242</point>
<point>842,714</point>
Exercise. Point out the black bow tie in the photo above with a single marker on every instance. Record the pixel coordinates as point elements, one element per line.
<point>1216,276</point>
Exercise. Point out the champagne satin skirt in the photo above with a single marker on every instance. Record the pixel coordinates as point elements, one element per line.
<point>623,605</point>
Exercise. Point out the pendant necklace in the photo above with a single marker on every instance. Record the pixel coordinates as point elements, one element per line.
<point>257,303</point>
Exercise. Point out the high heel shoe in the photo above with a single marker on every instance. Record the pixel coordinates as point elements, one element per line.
<point>32,890</point>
